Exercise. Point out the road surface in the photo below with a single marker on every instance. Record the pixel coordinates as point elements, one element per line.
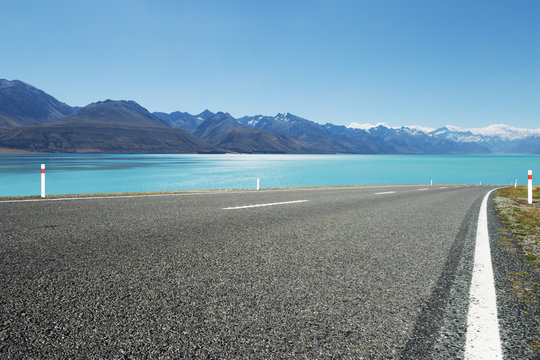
<point>371,272</point>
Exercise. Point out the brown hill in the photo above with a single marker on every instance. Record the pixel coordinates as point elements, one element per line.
<point>23,105</point>
<point>223,131</point>
<point>109,126</point>
<point>249,140</point>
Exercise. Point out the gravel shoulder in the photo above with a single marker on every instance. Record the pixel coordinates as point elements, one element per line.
<point>517,283</point>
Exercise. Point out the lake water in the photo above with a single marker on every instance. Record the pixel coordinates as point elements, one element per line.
<point>76,173</point>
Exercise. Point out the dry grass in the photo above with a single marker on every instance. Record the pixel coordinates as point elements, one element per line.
<point>523,219</point>
<point>519,192</point>
<point>522,236</point>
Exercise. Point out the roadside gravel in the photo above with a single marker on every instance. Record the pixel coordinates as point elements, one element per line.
<point>518,290</point>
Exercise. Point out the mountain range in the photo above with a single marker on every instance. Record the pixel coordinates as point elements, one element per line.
<point>31,120</point>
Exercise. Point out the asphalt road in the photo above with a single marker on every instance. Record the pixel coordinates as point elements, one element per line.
<point>375,272</point>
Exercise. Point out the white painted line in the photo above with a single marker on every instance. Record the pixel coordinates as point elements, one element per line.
<point>386,192</point>
<point>268,204</point>
<point>423,189</point>
<point>443,187</point>
<point>483,341</point>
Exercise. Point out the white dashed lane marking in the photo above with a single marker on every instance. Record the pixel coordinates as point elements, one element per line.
<point>261,205</point>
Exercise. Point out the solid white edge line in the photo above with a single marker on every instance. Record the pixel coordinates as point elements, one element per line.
<point>483,340</point>
<point>422,189</point>
<point>385,192</point>
<point>261,205</point>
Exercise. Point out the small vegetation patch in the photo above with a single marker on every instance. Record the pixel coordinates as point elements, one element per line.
<point>521,236</point>
<point>522,219</point>
<point>520,192</point>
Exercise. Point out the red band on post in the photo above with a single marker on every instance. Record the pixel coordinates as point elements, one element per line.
<point>43,171</point>
<point>530,177</point>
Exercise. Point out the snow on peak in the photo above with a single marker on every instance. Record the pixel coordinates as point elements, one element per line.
<point>501,130</point>
<point>421,128</point>
<point>287,117</point>
<point>368,126</point>
<point>281,117</point>
<point>454,128</point>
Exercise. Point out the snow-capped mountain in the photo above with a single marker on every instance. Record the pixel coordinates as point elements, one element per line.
<point>319,138</point>
<point>501,130</point>
<point>498,138</point>
<point>368,126</point>
<point>408,140</point>
<point>29,119</point>
<point>473,134</point>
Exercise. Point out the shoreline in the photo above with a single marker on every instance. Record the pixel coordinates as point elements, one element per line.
<point>97,152</point>
<point>179,192</point>
<point>17,151</point>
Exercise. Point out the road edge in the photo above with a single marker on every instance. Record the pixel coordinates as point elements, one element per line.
<point>483,334</point>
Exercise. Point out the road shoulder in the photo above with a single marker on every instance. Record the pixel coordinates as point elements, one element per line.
<point>517,286</point>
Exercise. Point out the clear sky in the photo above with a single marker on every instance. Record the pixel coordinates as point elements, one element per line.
<point>469,63</point>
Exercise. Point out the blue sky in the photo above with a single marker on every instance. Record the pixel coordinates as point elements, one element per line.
<point>431,63</point>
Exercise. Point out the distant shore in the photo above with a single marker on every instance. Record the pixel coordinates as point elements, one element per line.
<point>184,192</point>
<point>16,151</point>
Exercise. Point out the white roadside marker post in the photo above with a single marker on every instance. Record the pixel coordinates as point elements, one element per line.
<point>530,186</point>
<point>42,180</point>
<point>431,182</point>
<point>258,188</point>
<point>515,183</point>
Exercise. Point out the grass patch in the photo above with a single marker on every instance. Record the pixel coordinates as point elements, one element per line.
<point>520,192</point>
<point>521,236</point>
<point>522,219</point>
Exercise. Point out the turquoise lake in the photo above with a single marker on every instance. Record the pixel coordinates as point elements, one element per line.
<point>76,173</point>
